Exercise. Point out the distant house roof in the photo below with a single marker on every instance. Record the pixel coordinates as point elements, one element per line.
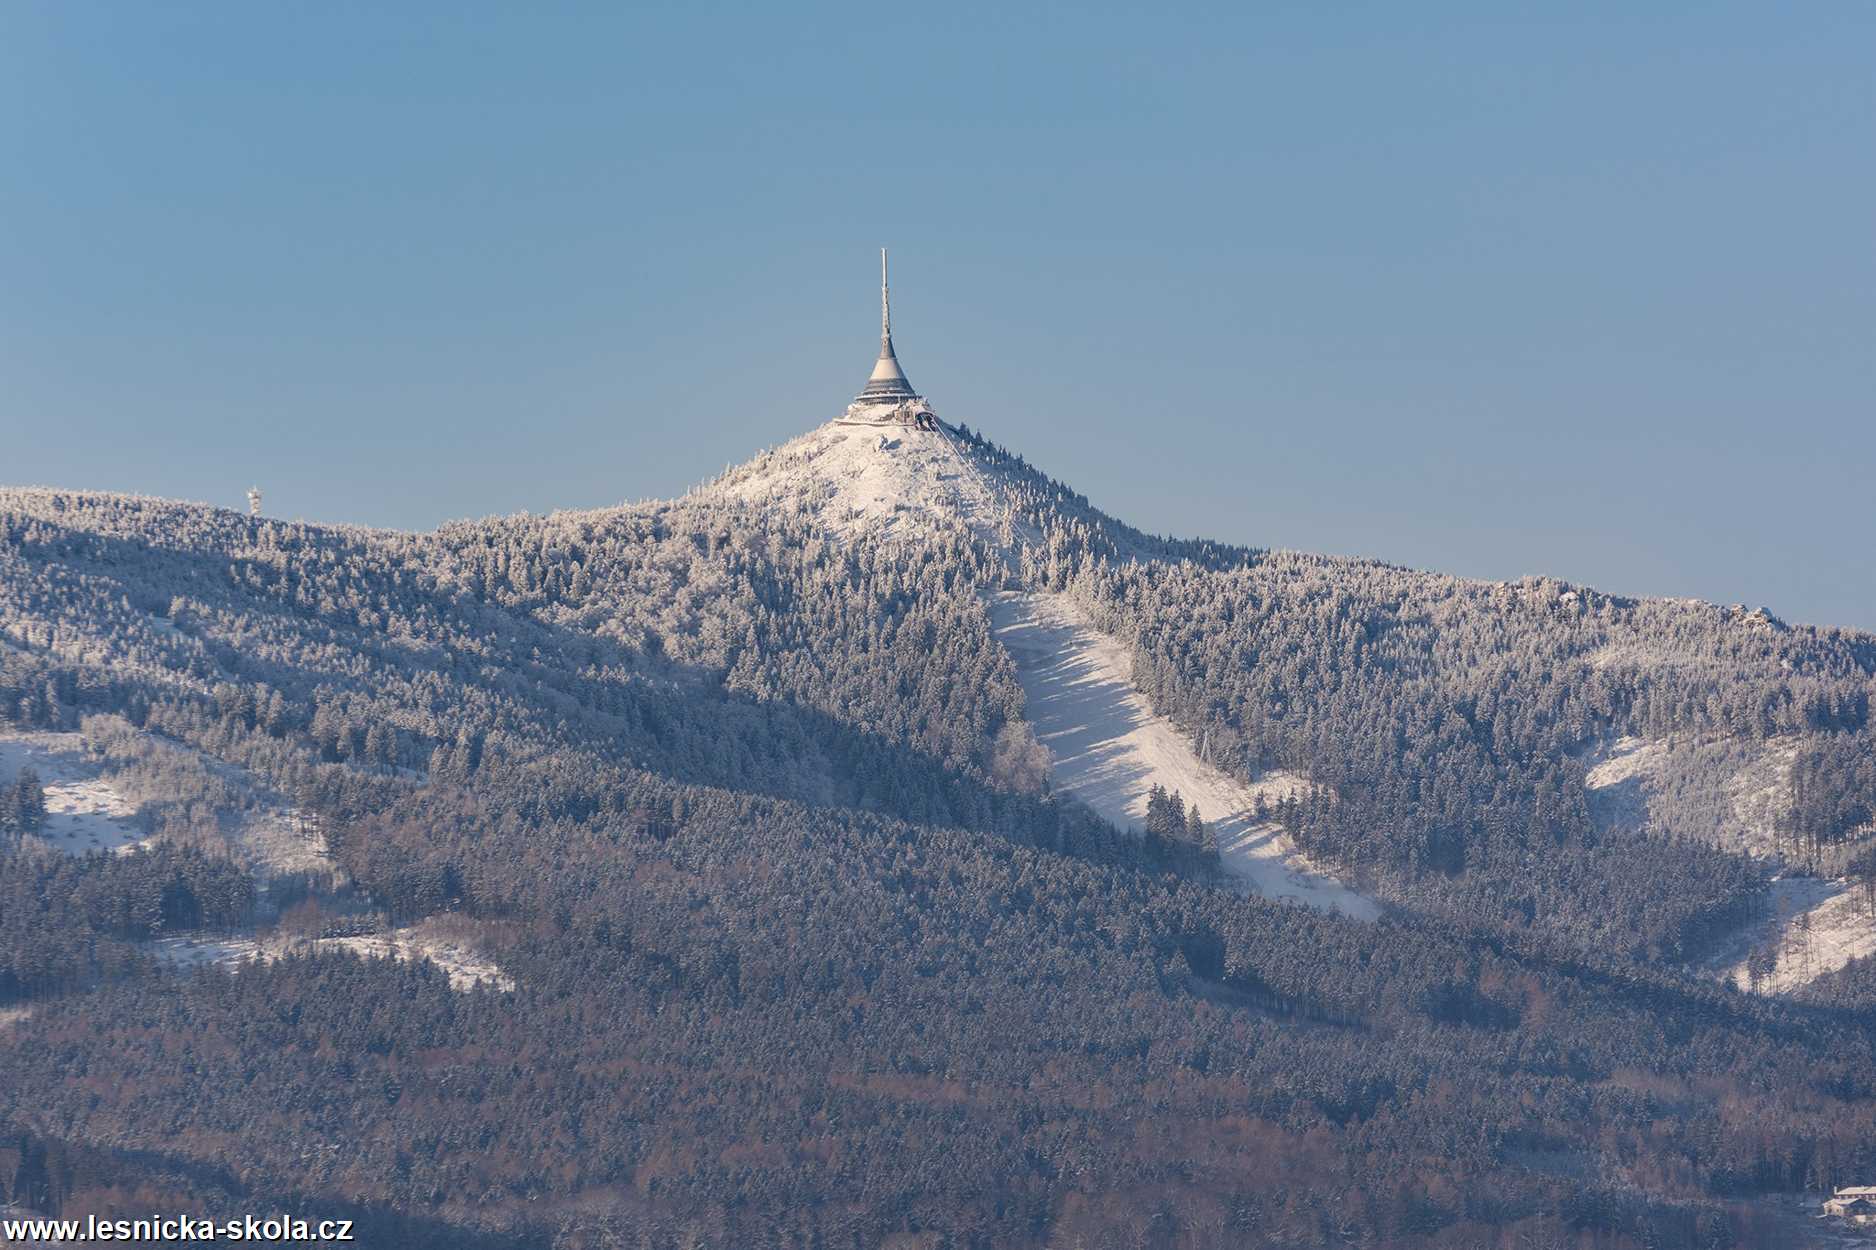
<point>1856,1191</point>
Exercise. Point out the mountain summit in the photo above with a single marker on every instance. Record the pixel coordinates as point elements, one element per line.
<point>882,475</point>
<point>886,463</point>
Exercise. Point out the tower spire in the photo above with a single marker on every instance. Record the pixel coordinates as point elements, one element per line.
<point>887,385</point>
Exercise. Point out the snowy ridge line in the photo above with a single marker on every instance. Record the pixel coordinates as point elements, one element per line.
<point>33,500</point>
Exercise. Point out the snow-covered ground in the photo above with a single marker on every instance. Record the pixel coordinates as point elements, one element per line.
<point>892,479</point>
<point>270,839</point>
<point>271,843</point>
<point>1730,794</point>
<point>1815,928</point>
<point>83,811</point>
<point>444,941</point>
<point>435,942</point>
<point>1109,749</point>
<point>1619,778</point>
<point>1727,793</point>
<point>195,951</point>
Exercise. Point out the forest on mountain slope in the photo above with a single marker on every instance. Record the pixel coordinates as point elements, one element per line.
<point>801,960</point>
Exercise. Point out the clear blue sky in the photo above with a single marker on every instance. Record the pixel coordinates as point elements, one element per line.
<point>1582,289</point>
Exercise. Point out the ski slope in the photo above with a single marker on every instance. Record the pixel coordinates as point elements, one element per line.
<point>1109,749</point>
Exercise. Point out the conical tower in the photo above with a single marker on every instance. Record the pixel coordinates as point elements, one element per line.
<point>888,383</point>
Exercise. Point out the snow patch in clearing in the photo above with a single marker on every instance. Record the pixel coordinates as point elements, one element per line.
<point>1816,928</point>
<point>1619,778</point>
<point>273,843</point>
<point>1727,793</point>
<point>466,968</point>
<point>83,811</point>
<point>438,940</point>
<point>1730,793</point>
<point>1626,757</point>
<point>272,839</point>
<point>192,951</point>
<point>1109,749</point>
<point>86,812</point>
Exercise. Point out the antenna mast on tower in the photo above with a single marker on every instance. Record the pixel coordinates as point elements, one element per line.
<point>885,300</point>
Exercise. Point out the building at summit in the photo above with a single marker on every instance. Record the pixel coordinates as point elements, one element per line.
<point>888,397</point>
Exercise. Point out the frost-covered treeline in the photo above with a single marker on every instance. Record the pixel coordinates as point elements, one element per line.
<point>715,644</point>
<point>804,953</point>
<point>1446,723</point>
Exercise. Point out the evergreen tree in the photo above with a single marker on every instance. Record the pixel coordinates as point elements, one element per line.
<point>1201,834</point>
<point>274,717</point>
<point>1158,812</point>
<point>29,802</point>
<point>381,745</point>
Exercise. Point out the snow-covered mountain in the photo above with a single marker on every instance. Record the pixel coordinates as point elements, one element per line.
<point>839,767</point>
<point>890,478</point>
<point>1108,748</point>
<point>896,479</point>
<point>1073,602</point>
